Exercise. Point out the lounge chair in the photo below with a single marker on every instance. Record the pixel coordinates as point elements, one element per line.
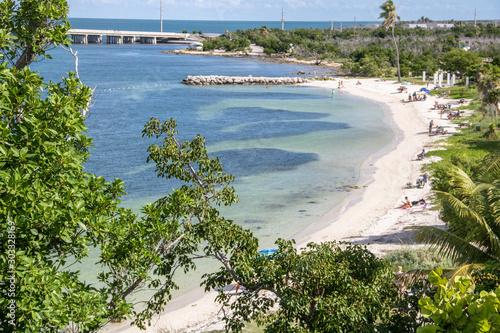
<point>464,123</point>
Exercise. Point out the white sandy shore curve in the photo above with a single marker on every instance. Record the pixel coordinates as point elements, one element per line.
<point>371,215</point>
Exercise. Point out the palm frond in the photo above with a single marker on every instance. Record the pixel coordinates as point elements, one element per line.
<point>492,173</point>
<point>411,277</point>
<point>493,196</point>
<point>464,270</point>
<point>480,224</point>
<point>461,209</point>
<point>462,180</point>
<point>451,245</point>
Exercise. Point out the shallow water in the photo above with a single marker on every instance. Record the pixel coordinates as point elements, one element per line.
<point>293,150</point>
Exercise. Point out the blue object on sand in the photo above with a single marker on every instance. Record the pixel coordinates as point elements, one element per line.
<point>425,90</point>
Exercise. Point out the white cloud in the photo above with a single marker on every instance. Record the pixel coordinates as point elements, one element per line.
<point>295,4</point>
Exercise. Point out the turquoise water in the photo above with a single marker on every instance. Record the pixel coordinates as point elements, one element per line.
<point>293,150</point>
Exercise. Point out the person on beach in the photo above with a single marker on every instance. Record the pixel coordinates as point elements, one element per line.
<point>421,155</point>
<point>431,125</point>
<point>418,202</point>
<point>399,282</point>
<point>406,204</point>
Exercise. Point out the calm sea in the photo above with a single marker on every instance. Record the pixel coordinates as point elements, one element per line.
<point>218,27</point>
<point>293,150</point>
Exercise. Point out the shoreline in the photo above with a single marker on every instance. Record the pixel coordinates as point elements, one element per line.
<point>258,56</point>
<point>370,215</point>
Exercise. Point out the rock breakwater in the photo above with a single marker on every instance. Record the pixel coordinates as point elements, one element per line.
<point>241,80</point>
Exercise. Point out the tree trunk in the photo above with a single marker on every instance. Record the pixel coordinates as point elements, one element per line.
<point>397,54</point>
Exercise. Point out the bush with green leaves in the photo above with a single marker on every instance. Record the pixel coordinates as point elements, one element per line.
<point>456,307</point>
<point>487,277</point>
<point>327,287</point>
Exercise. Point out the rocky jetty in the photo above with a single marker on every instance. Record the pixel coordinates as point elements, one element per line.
<point>241,80</point>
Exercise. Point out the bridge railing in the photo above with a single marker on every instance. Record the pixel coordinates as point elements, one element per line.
<point>85,36</point>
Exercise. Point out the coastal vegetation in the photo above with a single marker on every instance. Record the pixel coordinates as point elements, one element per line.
<point>373,51</point>
<point>53,214</point>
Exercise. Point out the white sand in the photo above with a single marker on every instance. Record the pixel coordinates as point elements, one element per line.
<point>372,215</point>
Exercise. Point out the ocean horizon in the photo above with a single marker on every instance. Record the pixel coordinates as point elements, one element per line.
<point>206,26</point>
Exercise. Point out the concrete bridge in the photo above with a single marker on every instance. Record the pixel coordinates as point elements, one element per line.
<point>86,36</point>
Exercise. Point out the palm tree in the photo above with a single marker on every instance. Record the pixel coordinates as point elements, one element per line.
<point>390,17</point>
<point>472,211</point>
<point>264,31</point>
<point>488,86</point>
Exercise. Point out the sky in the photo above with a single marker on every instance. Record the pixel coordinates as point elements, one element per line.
<point>295,10</point>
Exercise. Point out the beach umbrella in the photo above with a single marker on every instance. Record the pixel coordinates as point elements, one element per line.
<point>425,90</point>
<point>267,252</point>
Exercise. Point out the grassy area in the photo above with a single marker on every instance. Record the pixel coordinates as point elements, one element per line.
<point>422,258</point>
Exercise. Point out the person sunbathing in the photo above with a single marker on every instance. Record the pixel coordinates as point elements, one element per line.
<point>418,203</point>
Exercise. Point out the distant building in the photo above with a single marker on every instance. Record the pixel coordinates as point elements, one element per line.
<point>431,25</point>
<point>418,25</point>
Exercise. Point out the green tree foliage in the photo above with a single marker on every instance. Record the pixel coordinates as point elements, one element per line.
<point>470,209</point>
<point>458,60</point>
<point>52,213</point>
<point>487,277</point>
<point>457,308</point>
<point>328,287</point>
<point>37,28</point>
<point>230,45</point>
<point>488,87</point>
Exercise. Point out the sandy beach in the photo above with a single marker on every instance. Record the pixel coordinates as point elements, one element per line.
<point>372,215</point>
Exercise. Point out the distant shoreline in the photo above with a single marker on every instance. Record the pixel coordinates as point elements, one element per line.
<point>258,56</point>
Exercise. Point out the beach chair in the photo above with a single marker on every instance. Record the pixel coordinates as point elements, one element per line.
<point>441,130</point>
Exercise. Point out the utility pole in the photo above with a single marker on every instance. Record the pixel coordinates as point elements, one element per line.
<point>475,12</point>
<point>161,16</point>
<point>331,26</point>
<point>282,18</point>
